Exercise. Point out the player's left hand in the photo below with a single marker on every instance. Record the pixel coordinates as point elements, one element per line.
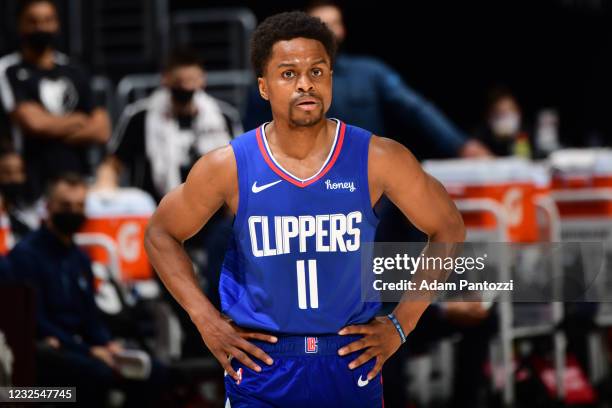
<point>380,339</point>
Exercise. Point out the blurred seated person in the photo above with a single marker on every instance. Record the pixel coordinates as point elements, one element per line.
<point>475,324</point>
<point>23,216</point>
<point>504,131</point>
<point>367,93</point>
<point>160,137</point>
<point>49,100</point>
<point>74,345</point>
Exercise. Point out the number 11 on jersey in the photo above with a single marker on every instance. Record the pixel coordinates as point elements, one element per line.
<point>312,284</point>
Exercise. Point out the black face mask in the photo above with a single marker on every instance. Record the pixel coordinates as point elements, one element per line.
<point>40,40</point>
<point>67,222</point>
<point>11,192</point>
<point>184,121</point>
<point>181,96</point>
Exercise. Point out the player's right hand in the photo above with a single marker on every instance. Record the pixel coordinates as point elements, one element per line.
<point>224,340</point>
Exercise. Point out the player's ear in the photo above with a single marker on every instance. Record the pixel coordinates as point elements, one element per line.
<point>261,84</point>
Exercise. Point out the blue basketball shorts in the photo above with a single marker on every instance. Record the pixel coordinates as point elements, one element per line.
<point>307,372</point>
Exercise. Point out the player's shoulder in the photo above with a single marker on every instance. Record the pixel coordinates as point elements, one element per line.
<point>221,158</point>
<point>387,150</point>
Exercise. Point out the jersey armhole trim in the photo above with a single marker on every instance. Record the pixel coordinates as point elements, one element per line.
<point>243,195</point>
<point>365,192</point>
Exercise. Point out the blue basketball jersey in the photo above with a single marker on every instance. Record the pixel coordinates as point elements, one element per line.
<point>294,262</point>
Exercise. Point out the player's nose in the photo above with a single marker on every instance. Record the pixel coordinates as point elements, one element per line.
<point>304,84</point>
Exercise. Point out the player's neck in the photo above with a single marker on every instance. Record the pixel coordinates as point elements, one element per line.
<point>300,142</point>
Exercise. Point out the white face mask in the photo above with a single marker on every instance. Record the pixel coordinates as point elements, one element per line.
<point>506,125</point>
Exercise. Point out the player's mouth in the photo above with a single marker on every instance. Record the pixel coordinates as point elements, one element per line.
<point>307,104</point>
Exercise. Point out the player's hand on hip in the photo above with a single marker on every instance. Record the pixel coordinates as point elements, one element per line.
<point>380,340</point>
<point>224,340</point>
<point>248,334</point>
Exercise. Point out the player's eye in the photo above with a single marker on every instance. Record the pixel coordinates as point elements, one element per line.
<point>317,72</point>
<point>288,74</point>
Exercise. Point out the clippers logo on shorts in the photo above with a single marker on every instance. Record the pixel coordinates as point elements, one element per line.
<point>311,344</point>
<point>239,372</point>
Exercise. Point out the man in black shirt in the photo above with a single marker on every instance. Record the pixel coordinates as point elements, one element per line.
<point>49,101</point>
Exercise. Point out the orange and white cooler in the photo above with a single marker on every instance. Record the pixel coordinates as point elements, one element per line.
<point>6,236</point>
<point>122,215</point>
<point>508,181</point>
<point>582,183</point>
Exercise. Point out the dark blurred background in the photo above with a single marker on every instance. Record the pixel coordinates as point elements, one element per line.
<point>552,53</point>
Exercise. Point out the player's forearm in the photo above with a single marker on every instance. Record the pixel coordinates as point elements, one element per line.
<point>445,242</point>
<point>175,269</point>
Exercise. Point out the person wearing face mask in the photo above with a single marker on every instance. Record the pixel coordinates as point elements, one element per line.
<point>23,216</point>
<point>67,320</point>
<point>505,132</point>
<point>155,144</point>
<point>74,346</point>
<point>49,101</point>
<point>158,138</point>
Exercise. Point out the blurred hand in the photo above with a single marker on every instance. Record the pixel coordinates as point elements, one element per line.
<point>224,339</point>
<point>114,347</point>
<point>53,342</point>
<point>103,354</point>
<point>380,341</point>
<point>473,149</point>
<point>465,313</point>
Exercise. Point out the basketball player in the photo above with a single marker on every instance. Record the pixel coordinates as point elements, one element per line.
<point>302,188</point>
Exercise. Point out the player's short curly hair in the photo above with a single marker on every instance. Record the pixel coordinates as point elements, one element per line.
<point>287,26</point>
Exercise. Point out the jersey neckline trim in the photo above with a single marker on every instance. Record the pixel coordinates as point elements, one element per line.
<point>334,152</point>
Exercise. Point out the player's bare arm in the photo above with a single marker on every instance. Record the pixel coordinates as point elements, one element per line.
<point>394,171</point>
<point>211,183</point>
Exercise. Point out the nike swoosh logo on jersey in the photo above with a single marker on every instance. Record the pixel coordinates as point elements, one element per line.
<point>256,189</point>
<point>362,383</point>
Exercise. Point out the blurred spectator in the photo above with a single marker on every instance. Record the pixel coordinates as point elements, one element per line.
<point>159,138</point>
<point>50,101</point>
<point>504,131</point>
<point>366,90</point>
<point>24,217</point>
<point>75,347</point>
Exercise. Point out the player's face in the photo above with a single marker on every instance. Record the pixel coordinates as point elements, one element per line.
<point>298,82</point>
